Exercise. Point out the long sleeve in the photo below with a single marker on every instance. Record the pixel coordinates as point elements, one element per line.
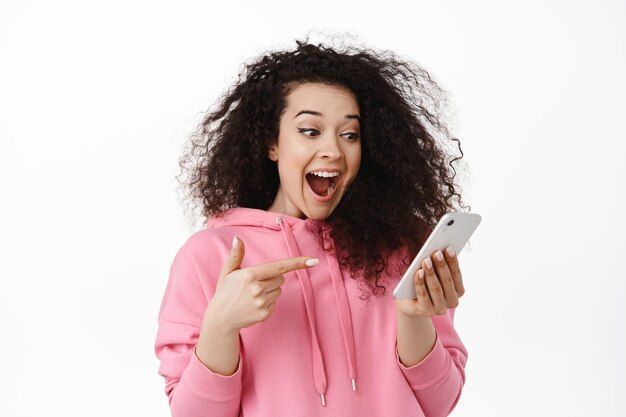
<point>192,389</point>
<point>437,381</point>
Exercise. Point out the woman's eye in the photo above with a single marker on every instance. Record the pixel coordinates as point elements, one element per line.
<point>351,136</point>
<point>308,132</point>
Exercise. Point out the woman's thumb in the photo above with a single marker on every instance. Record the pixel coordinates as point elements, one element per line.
<point>234,257</point>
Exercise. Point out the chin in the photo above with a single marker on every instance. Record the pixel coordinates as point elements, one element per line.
<point>321,214</point>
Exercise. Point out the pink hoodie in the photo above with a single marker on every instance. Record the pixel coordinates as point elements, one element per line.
<point>322,343</point>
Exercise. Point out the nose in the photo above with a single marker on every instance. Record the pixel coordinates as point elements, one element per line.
<point>330,147</point>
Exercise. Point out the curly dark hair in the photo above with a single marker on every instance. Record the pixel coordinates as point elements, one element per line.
<point>407,160</point>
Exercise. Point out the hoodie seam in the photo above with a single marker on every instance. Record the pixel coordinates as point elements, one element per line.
<point>180,322</point>
<point>189,388</point>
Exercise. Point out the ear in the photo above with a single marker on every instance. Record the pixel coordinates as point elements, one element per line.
<point>272,153</point>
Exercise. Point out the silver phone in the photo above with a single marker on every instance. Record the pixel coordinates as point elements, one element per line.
<point>453,229</point>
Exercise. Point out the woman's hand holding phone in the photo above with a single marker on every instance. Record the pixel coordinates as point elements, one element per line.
<point>438,286</point>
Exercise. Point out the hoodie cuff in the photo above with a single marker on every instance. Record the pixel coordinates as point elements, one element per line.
<point>204,383</point>
<point>431,370</point>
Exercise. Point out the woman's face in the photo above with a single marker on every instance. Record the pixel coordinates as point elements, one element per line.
<point>318,151</point>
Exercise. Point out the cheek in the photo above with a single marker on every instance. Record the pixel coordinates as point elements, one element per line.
<point>355,158</point>
<point>294,159</point>
<point>290,172</point>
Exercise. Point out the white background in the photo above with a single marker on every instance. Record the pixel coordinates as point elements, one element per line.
<point>96,100</point>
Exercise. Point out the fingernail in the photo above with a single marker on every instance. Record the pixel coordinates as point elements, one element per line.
<point>429,263</point>
<point>439,255</point>
<point>450,251</point>
<point>312,262</point>
<point>235,242</point>
<point>420,273</point>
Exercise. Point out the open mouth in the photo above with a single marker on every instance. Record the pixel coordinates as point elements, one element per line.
<point>323,183</point>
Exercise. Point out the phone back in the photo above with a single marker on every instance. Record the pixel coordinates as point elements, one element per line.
<point>453,229</point>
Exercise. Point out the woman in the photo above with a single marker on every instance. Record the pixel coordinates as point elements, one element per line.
<point>321,173</point>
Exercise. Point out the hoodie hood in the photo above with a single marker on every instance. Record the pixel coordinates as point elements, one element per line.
<point>286,225</point>
<point>242,216</point>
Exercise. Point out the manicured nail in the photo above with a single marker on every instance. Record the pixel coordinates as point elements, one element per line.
<point>235,242</point>
<point>420,273</point>
<point>312,262</point>
<point>450,251</point>
<point>439,255</point>
<point>429,263</point>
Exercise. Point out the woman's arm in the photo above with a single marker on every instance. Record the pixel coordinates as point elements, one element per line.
<point>198,341</point>
<point>437,379</point>
<point>430,352</point>
<point>218,346</point>
<point>192,388</point>
<point>416,338</point>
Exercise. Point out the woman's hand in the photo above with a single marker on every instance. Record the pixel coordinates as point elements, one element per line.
<point>438,285</point>
<point>242,298</point>
<point>247,296</point>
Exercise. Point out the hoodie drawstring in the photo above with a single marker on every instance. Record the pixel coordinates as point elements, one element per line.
<point>319,374</point>
<point>345,317</point>
<point>341,298</point>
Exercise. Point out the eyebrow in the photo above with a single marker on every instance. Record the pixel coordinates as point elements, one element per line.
<point>316,113</point>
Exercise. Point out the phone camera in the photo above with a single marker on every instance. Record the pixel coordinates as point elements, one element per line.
<point>450,222</point>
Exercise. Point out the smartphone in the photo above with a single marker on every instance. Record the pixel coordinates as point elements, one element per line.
<point>453,229</point>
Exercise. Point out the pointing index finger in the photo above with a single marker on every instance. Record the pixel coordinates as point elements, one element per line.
<point>282,266</point>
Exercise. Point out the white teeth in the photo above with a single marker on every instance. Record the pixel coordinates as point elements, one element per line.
<point>325,174</point>
<point>330,189</point>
